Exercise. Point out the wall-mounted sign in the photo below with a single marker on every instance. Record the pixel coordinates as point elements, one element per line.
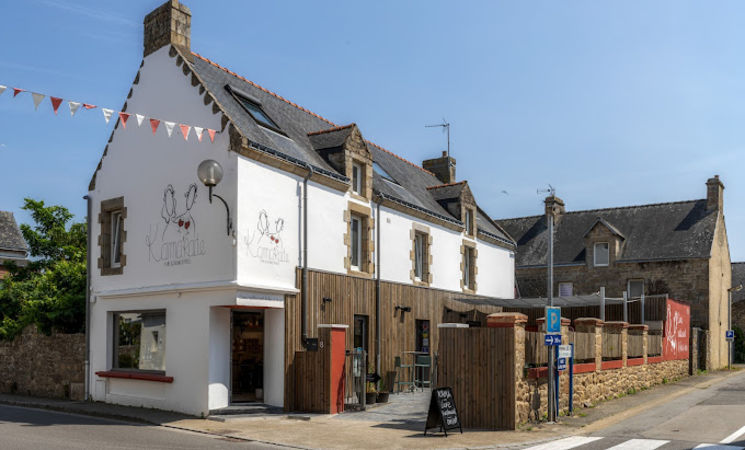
<point>174,240</point>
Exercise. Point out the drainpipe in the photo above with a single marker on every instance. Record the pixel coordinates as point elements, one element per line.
<point>378,224</point>
<point>304,293</point>
<point>87,362</point>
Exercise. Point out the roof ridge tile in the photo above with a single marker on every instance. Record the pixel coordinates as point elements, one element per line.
<point>332,129</point>
<point>609,209</point>
<point>446,185</point>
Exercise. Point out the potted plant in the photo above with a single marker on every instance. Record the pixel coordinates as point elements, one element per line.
<point>370,391</point>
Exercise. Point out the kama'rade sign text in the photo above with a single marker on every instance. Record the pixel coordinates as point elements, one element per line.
<point>677,327</point>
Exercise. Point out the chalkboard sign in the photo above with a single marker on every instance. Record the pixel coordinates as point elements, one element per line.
<point>442,411</point>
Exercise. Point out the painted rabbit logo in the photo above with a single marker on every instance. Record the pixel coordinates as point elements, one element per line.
<point>179,240</point>
<point>266,242</point>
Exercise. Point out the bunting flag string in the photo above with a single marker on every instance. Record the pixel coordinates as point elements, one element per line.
<point>108,113</point>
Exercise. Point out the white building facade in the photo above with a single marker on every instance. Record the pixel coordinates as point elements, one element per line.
<point>188,296</point>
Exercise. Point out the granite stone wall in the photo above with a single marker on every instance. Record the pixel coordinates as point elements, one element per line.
<point>43,366</point>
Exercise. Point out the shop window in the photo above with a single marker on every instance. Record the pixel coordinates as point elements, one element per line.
<point>140,341</point>
<point>566,289</point>
<point>601,254</point>
<point>113,235</point>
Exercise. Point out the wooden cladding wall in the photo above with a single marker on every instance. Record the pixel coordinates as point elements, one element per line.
<point>479,365</point>
<point>312,377</point>
<point>350,296</point>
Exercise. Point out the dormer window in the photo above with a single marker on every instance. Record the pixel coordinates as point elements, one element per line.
<point>357,178</point>
<point>257,113</point>
<point>601,254</point>
<point>469,222</point>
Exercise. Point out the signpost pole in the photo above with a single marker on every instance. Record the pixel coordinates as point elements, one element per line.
<point>729,327</point>
<point>557,377</point>
<point>550,296</point>
<point>602,303</point>
<point>642,307</point>
<point>625,306</point>
<point>571,382</point>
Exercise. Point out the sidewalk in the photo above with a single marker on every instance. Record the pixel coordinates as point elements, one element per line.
<point>398,424</point>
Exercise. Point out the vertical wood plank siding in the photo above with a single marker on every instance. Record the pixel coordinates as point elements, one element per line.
<point>355,295</point>
<point>312,374</point>
<point>479,365</point>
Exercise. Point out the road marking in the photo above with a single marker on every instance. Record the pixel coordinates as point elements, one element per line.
<point>566,443</point>
<point>717,447</point>
<point>733,436</point>
<point>640,444</point>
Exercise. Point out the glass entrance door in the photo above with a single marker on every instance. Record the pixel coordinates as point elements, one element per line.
<point>248,356</point>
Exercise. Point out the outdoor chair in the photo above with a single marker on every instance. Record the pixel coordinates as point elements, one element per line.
<point>425,363</point>
<point>399,368</point>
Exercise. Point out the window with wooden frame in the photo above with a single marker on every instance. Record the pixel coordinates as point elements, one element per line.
<point>421,255</point>
<point>601,254</point>
<point>357,175</point>
<point>468,267</point>
<point>635,288</point>
<point>112,236</point>
<point>358,239</point>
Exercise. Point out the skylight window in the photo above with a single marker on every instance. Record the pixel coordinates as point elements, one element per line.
<point>380,171</point>
<point>258,114</point>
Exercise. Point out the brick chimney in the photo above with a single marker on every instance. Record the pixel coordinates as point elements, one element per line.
<point>555,206</point>
<point>714,194</point>
<point>170,23</point>
<point>443,168</point>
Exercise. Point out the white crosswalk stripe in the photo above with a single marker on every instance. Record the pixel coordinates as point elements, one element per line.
<point>733,437</point>
<point>639,444</point>
<point>566,443</point>
<point>718,447</point>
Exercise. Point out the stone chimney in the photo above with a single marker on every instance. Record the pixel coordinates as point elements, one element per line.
<point>714,194</point>
<point>555,207</point>
<point>170,23</point>
<point>443,168</point>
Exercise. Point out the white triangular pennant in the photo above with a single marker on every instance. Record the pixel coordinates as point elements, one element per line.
<point>107,113</point>
<point>73,107</point>
<point>199,131</point>
<point>37,99</point>
<point>140,118</point>
<point>169,127</point>
<point>2,88</point>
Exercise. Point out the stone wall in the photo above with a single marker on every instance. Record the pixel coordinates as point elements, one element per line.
<point>44,366</point>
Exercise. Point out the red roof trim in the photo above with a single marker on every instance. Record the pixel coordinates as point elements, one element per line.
<point>262,88</point>
<point>446,185</point>
<point>330,130</point>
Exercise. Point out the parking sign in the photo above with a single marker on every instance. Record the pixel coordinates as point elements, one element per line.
<point>553,319</point>
<point>729,334</point>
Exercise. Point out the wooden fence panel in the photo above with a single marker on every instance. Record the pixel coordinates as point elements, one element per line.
<point>479,365</point>
<point>612,343</point>
<point>584,346</point>
<point>654,345</point>
<point>535,349</point>
<point>635,346</point>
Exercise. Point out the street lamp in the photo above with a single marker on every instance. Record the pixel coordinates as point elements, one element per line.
<point>210,174</point>
<point>729,320</point>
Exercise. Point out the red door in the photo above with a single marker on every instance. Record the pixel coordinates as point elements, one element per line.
<point>338,344</point>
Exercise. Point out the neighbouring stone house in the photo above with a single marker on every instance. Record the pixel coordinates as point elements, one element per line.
<point>738,297</point>
<point>677,248</point>
<point>323,227</point>
<point>13,247</point>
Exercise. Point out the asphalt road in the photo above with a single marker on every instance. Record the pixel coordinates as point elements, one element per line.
<point>27,428</point>
<point>711,418</point>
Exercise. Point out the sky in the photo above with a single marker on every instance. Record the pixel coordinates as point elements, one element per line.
<point>612,103</point>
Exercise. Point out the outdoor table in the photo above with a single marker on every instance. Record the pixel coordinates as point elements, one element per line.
<point>413,362</point>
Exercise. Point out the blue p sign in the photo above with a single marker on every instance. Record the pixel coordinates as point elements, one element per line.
<point>729,334</point>
<point>553,319</point>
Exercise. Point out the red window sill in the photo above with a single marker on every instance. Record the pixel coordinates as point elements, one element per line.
<point>635,362</point>
<point>135,376</point>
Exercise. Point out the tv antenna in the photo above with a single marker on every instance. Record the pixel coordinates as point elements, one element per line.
<point>550,191</point>
<point>445,127</point>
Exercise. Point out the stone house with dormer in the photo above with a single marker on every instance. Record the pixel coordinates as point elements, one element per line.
<point>323,227</point>
<point>676,248</point>
<point>13,248</point>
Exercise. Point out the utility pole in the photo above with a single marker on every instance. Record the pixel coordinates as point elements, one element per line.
<point>550,300</point>
<point>730,342</point>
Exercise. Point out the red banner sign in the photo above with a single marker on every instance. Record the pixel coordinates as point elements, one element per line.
<point>677,329</point>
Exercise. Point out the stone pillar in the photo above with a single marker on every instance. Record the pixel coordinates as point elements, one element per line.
<point>643,330</point>
<point>622,328</point>
<point>521,392</point>
<point>592,325</point>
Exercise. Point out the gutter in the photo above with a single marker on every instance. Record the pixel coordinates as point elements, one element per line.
<point>379,224</point>
<point>304,292</point>
<point>87,362</point>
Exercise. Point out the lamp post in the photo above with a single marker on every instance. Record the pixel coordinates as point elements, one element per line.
<point>210,174</point>
<point>729,321</point>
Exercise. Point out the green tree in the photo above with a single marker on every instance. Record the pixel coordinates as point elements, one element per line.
<point>50,291</point>
<point>739,349</point>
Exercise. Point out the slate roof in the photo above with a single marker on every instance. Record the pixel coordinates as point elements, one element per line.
<point>663,231</point>
<point>11,239</point>
<point>738,277</point>
<point>303,134</point>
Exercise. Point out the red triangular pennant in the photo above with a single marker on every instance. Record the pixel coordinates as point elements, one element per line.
<point>185,130</point>
<point>123,117</point>
<point>154,124</point>
<point>87,106</point>
<point>16,91</point>
<point>55,103</point>
<point>212,134</point>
